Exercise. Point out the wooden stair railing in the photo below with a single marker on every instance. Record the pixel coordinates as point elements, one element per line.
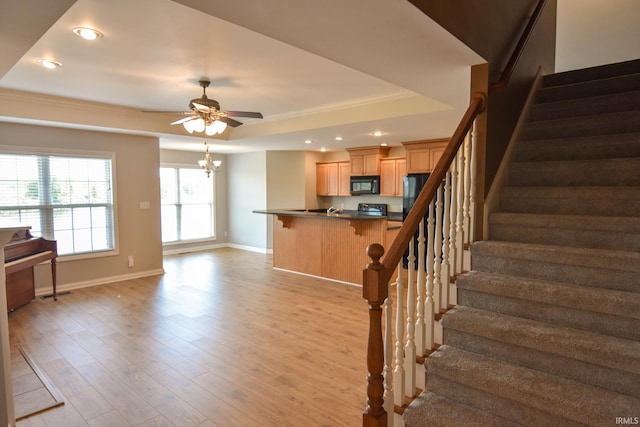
<point>377,274</point>
<point>517,51</point>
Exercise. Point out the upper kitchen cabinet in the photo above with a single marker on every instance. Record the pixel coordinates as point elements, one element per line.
<point>366,160</point>
<point>332,178</point>
<point>392,170</point>
<point>422,156</point>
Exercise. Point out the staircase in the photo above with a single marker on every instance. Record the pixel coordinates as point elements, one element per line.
<point>547,330</point>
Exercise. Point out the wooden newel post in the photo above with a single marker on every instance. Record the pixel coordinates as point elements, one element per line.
<point>375,292</point>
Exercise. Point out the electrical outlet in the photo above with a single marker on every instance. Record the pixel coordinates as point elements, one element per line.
<point>130,259</point>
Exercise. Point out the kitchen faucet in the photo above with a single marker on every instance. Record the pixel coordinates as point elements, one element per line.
<point>333,210</point>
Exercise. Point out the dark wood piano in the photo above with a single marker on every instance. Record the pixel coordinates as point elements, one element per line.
<point>21,254</point>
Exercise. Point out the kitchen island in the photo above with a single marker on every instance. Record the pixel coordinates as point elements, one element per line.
<point>332,246</point>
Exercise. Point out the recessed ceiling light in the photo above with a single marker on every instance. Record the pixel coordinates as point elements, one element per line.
<point>48,63</point>
<point>308,141</point>
<point>323,149</point>
<point>87,33</point>
<point>377,133</point>
<point>339,138</point>
<point>384,144</point>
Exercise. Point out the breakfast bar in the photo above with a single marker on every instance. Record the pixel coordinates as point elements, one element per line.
<point>328,245</point>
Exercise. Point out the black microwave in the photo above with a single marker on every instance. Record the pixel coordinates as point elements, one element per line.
<point>365,185</point>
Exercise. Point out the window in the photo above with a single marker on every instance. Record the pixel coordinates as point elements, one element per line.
<point>65,198</point>
<point>187,204</point>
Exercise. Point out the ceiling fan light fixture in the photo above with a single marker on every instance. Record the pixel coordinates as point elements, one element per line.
<point>198,125</point>
<point>188,125</point>
<point>219,126</point>
<point>87,33</point>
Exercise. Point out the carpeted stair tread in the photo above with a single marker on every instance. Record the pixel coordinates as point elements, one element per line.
<point>596,232</point>
<point>593,73</point>
<point>555,349</point>
<point>609,103</point>
<point>586,147</point>
<point>595,299</point>
<point>580,266</point>
<point>600,124</point>
<point>430,409</point>
<point>595,200</point>
<point>585,346</point>
<point>603,172</point>
<point>536,394</point>
<point>574,306</point>
<point>589,88</point>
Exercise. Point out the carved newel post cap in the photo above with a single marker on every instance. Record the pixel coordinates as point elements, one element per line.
<point>375,252</point>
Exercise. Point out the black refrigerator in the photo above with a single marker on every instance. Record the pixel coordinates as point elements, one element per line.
<point>412,185</point>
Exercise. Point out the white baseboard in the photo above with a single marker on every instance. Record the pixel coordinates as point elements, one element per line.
<point>100,281</point>
<point>189,249</point>
<point>318,277</point>
<point>250,248</point>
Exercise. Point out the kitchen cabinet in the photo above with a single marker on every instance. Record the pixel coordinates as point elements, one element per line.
<point>366,160</point>
<point>344,176</point>
<point>422,156</point>
<point>392,170</point>
<point>332,178</point>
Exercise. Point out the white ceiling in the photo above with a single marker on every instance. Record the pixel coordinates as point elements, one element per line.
<point>315,70</point>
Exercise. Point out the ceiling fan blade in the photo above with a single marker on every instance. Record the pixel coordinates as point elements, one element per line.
<point>200,107</point>
<point>230,121</point>
<point>167,112</point>
<point>184,120</point>
<point>251,114</point>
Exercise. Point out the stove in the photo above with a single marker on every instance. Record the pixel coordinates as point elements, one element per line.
<point>374,209</point>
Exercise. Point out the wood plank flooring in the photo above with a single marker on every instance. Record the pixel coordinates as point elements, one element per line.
<point>221,339</point>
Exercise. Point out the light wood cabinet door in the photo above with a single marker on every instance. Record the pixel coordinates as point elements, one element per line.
<point>332,179</point>
<point>366,160</point>
<point>357,164</point>
<point>392,172</point>
<point>344,179</point>
<point>419,161</point>
<point>423,156</point>
<point>329,179</point>
<point>371,164</point>
<point>321,179</point>
<point>434,156</point>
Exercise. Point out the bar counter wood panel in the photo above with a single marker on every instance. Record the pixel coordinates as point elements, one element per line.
<point>330,248</point>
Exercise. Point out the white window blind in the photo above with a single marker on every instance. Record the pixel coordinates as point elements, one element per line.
<point>187,199</point>
<point>65,198</point>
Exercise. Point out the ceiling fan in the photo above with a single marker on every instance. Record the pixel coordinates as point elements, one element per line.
<point>206,116</point>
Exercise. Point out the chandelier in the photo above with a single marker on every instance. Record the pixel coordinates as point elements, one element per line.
<point>208,164</point>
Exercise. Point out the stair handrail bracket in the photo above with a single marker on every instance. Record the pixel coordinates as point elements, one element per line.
<point>377,275</point>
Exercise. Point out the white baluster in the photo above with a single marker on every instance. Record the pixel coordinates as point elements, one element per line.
<point>467,190</point>
<point>421,281</point>
<point>473,169</point>
<point>437,256</point>
<point>454,216</point>
<point>445,270</point>
<point>398,372</point>
<point>410,346</point>
<point>388,358</point>
<point>429,306</point>
<point>460,218</point>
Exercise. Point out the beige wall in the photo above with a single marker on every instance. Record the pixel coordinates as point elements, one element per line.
<point>136,180</point>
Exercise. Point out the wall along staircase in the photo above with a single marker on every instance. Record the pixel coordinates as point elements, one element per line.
<point>547,327</point>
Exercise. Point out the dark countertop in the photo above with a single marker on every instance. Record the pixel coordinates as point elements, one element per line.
<point>320,213</point>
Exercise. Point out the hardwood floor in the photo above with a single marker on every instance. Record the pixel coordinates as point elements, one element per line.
<point>221,339</point>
